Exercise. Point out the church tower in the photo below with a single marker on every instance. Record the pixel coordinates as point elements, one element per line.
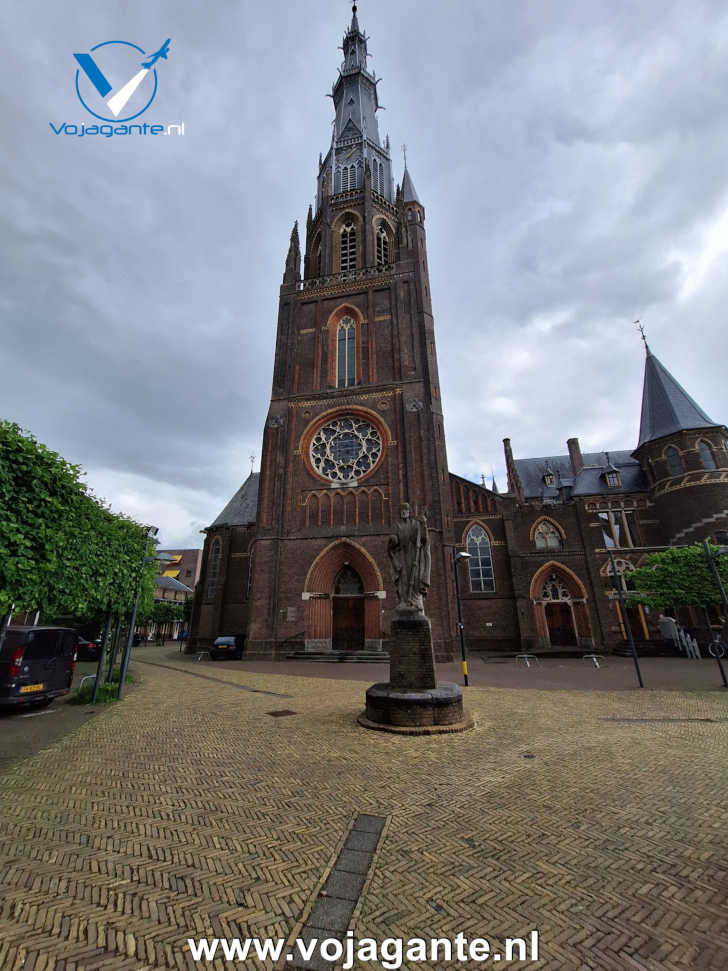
<point>355,423</point>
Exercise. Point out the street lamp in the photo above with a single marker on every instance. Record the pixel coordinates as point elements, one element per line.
<point>455,557</point>
<point>625,619</point>
<point>711,558</point>
<point>150,534</point>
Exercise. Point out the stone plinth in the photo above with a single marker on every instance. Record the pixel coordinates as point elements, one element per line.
<point>412,659</point>
<point>412,702</point>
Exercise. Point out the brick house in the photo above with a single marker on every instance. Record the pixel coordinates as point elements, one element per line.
<point>298,559</point>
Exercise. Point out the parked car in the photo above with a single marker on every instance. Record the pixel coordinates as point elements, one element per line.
<point>228,646</point>
<point>36,664</point>
<point>87,650</point>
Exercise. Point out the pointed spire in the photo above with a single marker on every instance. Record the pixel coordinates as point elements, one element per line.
<point>354,22</point>
<point>409,193</point>
<point>494,485</point>
<point>292,272</point>
<point>666,405</point>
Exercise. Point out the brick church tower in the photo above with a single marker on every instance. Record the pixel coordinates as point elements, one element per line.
<point>355,424</point>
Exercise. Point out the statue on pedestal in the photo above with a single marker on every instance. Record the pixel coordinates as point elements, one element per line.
<point>409,554</point>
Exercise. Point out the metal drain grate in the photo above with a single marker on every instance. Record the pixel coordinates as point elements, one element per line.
<point>282,713</point>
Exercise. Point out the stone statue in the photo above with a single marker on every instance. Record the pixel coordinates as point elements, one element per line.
<point>409,555</point>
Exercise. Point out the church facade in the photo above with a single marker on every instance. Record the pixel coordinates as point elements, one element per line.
<point>297,561</point>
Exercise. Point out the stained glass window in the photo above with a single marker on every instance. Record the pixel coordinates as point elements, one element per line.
<point>480,563</point>
<point>346,354</point>
<point>674,462</point>
<point>706,455</point>
<point>547,536</point>
<point>213,568</point>
<point>346,449</point>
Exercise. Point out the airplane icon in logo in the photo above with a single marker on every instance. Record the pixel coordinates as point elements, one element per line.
<point>162,52</point>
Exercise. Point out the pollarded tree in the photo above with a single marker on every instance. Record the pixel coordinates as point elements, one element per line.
<point>38,488</point>
<point>61,549</point>
<point>678,577</point>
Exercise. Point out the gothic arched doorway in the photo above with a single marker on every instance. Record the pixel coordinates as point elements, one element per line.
<point>343,594</point>
<point>347,611</point>
<point>560,608</point>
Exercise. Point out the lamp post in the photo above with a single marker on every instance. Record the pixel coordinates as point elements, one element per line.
<point>151,532</point>
<point>625,618</point>
<point>455,557</point>
<point>711,558</point>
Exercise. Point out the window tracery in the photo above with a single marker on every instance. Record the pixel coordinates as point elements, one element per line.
<point>480,564</point>
<point>345,449</point>
<point>346,353</point>
<point>547,537</point>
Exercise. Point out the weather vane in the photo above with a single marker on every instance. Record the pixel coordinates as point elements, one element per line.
<point>252,463</point>
<point>404,152</point>
<point>641,329</point>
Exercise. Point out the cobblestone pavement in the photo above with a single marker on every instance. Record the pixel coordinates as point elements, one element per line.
<point>24,730</point>
<point>597,818</point>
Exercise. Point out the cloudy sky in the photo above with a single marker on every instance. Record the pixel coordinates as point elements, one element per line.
<point>572,158</point>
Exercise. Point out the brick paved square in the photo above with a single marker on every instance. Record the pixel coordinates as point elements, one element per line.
<point>186,813</point>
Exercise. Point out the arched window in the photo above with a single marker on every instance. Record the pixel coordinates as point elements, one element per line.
<point>213,568</point>
<point>409,215</point>
<point>547,536</point>
<point>674,462</point>
<point>317,256</point>
<point>382,246</point>
<point>348,583</point>
<point>348,246</point>
<point>346,353</point>
<point>555,589</point>
<point>622,569</point>
<point>480,564</point>
<point>706,455</point>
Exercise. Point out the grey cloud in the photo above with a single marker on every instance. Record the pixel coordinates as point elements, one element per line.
<point>571,157</point>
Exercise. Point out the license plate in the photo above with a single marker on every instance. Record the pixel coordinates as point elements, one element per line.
<point>27,688</point>
<point>222,647</point>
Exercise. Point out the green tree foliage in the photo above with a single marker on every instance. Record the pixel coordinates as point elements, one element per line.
<point>678,577</point>
<point>61,550</point>
<point>167,613</point>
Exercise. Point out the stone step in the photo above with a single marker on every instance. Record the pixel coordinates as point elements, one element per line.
<point>346,657</point>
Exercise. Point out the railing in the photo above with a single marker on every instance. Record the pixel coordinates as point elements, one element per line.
<point>348,276</point>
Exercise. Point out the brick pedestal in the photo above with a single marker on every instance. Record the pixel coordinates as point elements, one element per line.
<point>412,702</point>
<point>412,660</point>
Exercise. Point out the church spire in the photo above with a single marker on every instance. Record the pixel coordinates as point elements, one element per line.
<point>666,405</point>
<point>292,273</point>
<point>355,142</point>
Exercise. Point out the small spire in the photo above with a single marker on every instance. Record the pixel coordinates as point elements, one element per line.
<point>293,261</point>
<point>354,22</point>
<point>666,405</point>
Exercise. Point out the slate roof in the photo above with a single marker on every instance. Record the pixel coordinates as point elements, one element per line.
<point>242,508</point>
<point>666,405</point>
<point>589,482</point>
<point>169,583</point>
<point>409,193</point>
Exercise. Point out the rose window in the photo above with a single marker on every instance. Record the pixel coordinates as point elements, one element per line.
<point>346,449</point>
